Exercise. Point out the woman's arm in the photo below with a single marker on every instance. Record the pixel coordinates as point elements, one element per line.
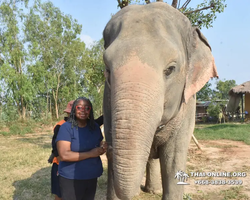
<point>65,153</point>
<point>99,120</point>
<point>54,148</point>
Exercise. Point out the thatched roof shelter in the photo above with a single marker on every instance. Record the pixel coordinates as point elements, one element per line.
<point>240,89</point>
<point>236,94</point>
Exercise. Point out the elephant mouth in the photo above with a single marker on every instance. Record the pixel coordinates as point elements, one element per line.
<point>109,152</point>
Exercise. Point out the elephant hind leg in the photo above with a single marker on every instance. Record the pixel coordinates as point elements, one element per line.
<point>153,177</point>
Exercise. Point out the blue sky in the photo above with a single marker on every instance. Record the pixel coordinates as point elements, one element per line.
<point>229,37</point>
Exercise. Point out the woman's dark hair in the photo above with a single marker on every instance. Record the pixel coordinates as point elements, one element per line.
<point>72,117</point>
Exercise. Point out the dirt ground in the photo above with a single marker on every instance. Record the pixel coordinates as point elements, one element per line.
<point>219,156</point>
<point>216,156</point>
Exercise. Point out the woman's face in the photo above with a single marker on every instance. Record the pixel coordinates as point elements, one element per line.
<point>82,110</point>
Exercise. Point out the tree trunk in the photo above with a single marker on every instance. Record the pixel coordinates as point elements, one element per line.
<point>19,110</point>
<point>50,109</point>
<point>174,3</point>
<point>56,95</point>
<point>55,100</point>
<point>47,106</point>
<point>23,109</point>
<point>56,108</point>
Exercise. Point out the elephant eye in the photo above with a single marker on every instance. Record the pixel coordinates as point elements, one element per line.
<point>107,73</point>
<point>169,70</point>
<point>107,76</point>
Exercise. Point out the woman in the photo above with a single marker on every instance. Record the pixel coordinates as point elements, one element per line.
<point>79,144</point>
<point>55,188</point>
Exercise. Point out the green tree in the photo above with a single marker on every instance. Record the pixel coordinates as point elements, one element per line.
<point>203,15</point>
<point>55,50</point>
<point>94,75</point>
<point>214,109</point>
<point>17,88</point>
<point>205,93</point>
<point>222,89</point>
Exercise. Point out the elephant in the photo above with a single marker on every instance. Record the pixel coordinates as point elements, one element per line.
<point>155,63</point>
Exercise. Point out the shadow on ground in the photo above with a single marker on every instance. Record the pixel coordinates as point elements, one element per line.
<point>35,187</point>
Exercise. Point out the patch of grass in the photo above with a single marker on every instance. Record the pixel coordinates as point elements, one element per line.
<point>236,132</point>
<point>20,128</point>
<point>233,193</point>
<point>25,173</point>
<point>102,185</point>
<point>187,197</point>
<point>4,133</point>
<point>37,186</point>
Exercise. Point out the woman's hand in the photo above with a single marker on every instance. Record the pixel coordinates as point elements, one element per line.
<point>97,151</point>
<point>66,154</point>
<point>104,145</point>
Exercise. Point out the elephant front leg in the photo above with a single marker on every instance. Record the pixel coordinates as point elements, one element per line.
<point>173,159</point>
<point>153,177</point>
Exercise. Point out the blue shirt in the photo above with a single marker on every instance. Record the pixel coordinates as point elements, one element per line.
<point>82,140</point>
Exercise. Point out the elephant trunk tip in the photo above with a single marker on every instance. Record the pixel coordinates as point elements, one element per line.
<point>129,187</point>
<point>126,194</point>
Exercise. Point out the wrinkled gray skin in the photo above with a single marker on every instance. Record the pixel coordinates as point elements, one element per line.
<point>155,63</point>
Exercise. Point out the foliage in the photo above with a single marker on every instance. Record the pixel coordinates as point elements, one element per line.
<point>203,15</point>
<point>214,109</point>
<point>9,112</point>
<point>219,93</point>
<point>13,70</point>
<point>43,62</point>
<point>222,88</point>
<point>205,93</point>
<point>18,128</point>
<point>55,49</point>
<point>204,18</point>
<point>94,75</point>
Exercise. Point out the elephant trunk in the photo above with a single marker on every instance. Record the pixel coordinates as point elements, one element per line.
<point>136,115</point>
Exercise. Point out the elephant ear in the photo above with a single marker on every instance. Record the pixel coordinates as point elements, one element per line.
<point>201,64</point>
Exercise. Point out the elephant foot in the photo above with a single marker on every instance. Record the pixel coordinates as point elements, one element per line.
<point>112,198</point>
<point>138,192</point>
<point>151,190</point>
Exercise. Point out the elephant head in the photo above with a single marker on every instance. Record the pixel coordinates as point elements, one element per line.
<point>155,62</point>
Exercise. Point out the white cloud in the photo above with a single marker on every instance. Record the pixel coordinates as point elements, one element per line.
<point>87,40</point>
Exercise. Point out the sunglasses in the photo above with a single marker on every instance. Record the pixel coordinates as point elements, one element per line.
<point>83,108</point>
